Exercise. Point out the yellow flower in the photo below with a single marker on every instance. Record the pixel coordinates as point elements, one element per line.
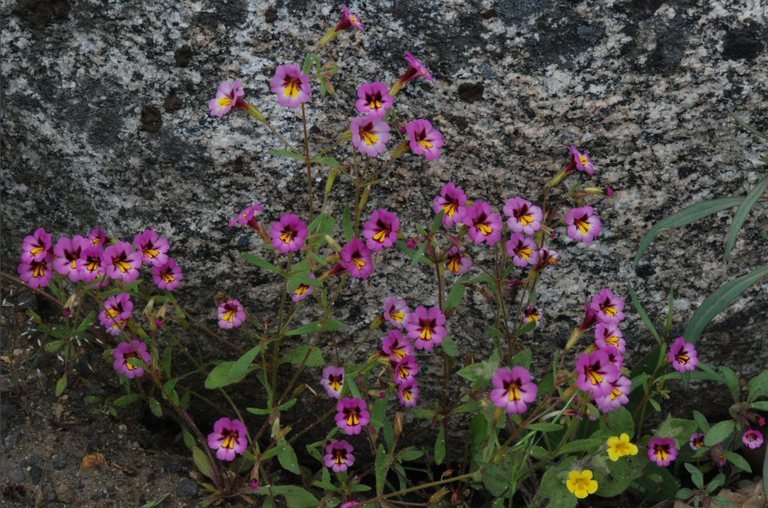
<point>581,484</point>
<point>620,447</point>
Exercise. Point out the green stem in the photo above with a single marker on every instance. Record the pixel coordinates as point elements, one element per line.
<point>308,160</point>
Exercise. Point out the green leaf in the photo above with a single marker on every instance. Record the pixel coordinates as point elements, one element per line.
<point>760,405</point>
<point>346,224</point>
<point>437,221</point>
<point>643,315</point>
<point>189,439</point>
<point>227,373</point>
<point>296,356</point>
<point>732,382</point>
<point>287,458</point>
<point>697,477</point>
<point>758,386</point>
<point>526,328</point>
<point>327,161</point>
<point>546,427</point>
<point>408,454</point>
<point>684,494</point>
<point>741,214</point>
<point>155,407</point>
<point>455,295</point>
<point>615,477</point>
<point>317,326</point>
<point>449,346</point>
<point>719,432</point>
<point>295,497</point>
<point>686,216</point>
<point>382,467</point>
<point>749,129</point>
<point>323,224</point>
<point>701,421</point>
<point>440,445</point>
<point>166,361</point>
<point>480,373</point>
<point>54,345</point>
<point>86,322</point>
<point>261,263</point>
<point>581,445</point>
<point>738,461</point>
<point>127,400</point>
<point>620,421</point>
<point>523,358</point>
<point>287,153</point>
<point>61,385</point>
<point>719,300</point>
<point>202,462</point>
<point>716,482</point>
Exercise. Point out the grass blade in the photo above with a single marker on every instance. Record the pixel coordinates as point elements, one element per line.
<point>741,214</point>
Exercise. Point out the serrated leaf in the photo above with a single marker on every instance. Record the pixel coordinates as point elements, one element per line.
<point>719,432</point>
<point>742,213</point>
<point>261,263</point>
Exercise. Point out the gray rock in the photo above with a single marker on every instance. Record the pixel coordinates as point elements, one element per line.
<point>35,474</point>
<point>12,437</point>
<point>173,467</point>
<point>16,475</point>
<point>60,462</point>
<point>187,488</point>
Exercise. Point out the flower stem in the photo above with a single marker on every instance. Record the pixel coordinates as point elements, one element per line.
<point>308,160</point>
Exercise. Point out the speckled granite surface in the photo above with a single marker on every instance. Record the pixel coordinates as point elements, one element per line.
<point>105,122</point>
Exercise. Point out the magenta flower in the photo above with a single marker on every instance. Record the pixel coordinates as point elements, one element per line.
<point>406,369</point>
<point>291,86</point>
<point>357,259</point>
<point>98,237</point>
<point>396,347</point>
<point>338,456</point>
<point>116,312</point>
<point>229,95</point>
<point>513,389</point>
<point>696,441</point>
<point>608,307</point>
<point>484,224</point>
<point>167,275</point>
<point>231,314</point>
<point>374,99</point>
<point>596,374</point>
<point>153,247</point>
<point>247,216</point>
<point>380,231</point>
<point>547,257</point>
<point>718,455</point>
<point>607,334</point>
<point>524,216</point>
<point>426,327</point>
<point>582,161</point>
<point>352,415</point>
<point>369,135</point>
<point>416,69</point>
<point>349,19</point>
<point>333,381</point>
<point>682,355</point>
<point>90,264</point>
<point>617,397</point>
<point>531,315</point>
<point>614,356</point>
<point>67,254</point>
<point>36,247</point>
<point>396,311</point>
<point>229,438</point>
<point>523,250</point>
<point>37,274</point>
<point>662,451</point>
<point>288,234</point>
<point>123,354</point>
<point>121,262</point>
<point>752,439</point>
<point>451,201</point>
<point>424,139</point>
<point>303,290</point>
<point>457,262</point>
<point>408,392</point>
<point>583,224</point>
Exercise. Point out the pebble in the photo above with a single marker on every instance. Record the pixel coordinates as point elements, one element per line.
<point>12,438</point>
<point>60,462</point>
<point>173,467</point>
<point>35,474</point>
<point>16,475</point>
<point>66,494</point>
<point>186,488</point>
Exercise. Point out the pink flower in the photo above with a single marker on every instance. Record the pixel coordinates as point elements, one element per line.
<point>369,135</point>
<point>424,139</point>
<point>523,250</point>
<point>338,456</point>
<point>484,224</point>
<point>396,347</point>
<point>98,237</point>
<point>37,274</point>
<point>229,95</point>
<point>36,247</point>
<point>231,314</point>
<point>752,438</point>
<point>357,259</point>
<point>349,19</point>
<point>408,392</point>
<point>547,257</point>
<point>451,201</point>
<point>582,161</point>
<point>302,290</point>
<point>662,451</point>
<point>116,312</point>
<point>123,354</point>
<point>427,327</point>
<point>406,369</point>
<point>396,311</point>
<point>513,389</point>
<point>416,69</point>
<point>607,334</point>
<point>718,455</point>
<point>67,254</point>
<point>291,86</point>
<point>617,397</point>
<point>333,381</point>
<point>153,247</point>
<point>682,355</point>
<point>352,415</point>
<point>608,307</point>
<point>380,231</point>
<point>531,315</point>
<point>288,234</point>
<point>229,438</point>
<point>596,374</point>
<point>90,264</point>
<point>121,262</point>
<point>457,262</point>
<point>247,216</point>
<point>583,224</point>
<point>696,441</point>
<point>374,99</point>
<point>524,216</point>
<point>167,275</point>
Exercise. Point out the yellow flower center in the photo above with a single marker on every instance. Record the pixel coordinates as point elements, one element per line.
<point>485,229</point>
<point>369,137</point>
<point>223,102</point>
<point>292,87</point>
<point>582,225</point>
<point>229,315</point>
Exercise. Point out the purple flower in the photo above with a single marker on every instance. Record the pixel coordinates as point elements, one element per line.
<point>369,135</point>
<point>718,455</point>
<point>247,216</point>
<point>98,237</point>
<point>396,311</point>
<point>531,315</point>
<point>457,262</point>
<point>513,389</point>
<point>583,224</point>
<point>67,254</point>
<point>338,456</point>
<point>123,354</point>
<point>426,327</point>
<point>484,224</point>
<point>291,86</point>
<point>451,201</point>
<point>408,392</point>
<point>608,307</point>
<point>153,247</point>
<point>352,415</point>
<point>380,231</point>
<point>37,274</point>
<point>416,69</point>
<point>396,347</point>
<point>523,250</point>
<point>303,290</point>
<point>349,19</point>
<point>596,374</point>
<point>406,369</point>
<point>424,139</point>
<point>36,247</point>
<point>116,312</point>
<point>90,264</point>
<point>357,259</point>
<point>374,99</point>
<point>614,356</point>
<point>662,451</point>
<point>229,95</point>
<point>231,314</point>
<point>582,161</point>
<point>333,381</point>
<point>121,262</point>
<point>696,441</point>
<point>617,397</point>
<point>752,438</point>
<point>524,216</point>
<point>682,355</point>
<point>288,234</point>
<point>229,438</point>
<point>547,257</point>
<point>607,334</point>
<point>167,275</point>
